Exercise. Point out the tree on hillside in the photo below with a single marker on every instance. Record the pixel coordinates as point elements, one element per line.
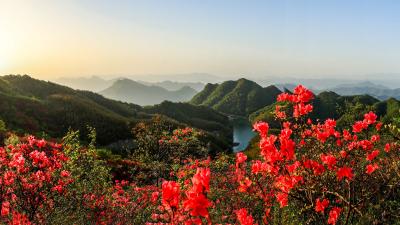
<point>162,144</point>
<point>2,131</point>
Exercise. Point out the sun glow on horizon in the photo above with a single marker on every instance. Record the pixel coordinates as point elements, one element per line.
<point>81,38</point>
<point>6,52</point>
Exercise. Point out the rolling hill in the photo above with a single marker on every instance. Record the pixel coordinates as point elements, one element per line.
<point>378,91</point>
<point>34,106</point>
<point>93,83</point>
<point>240,97</point>
<point>127,90</point>
<point>174,85</point>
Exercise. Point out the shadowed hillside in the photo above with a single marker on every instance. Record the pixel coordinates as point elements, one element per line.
<point>29,105</point>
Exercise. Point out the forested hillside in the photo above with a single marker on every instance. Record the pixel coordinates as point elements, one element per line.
<point>33,106</point>
<point>240,97</point>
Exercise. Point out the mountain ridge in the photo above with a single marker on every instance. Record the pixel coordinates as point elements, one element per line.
<point>240,97</point>
<point>36,106</point>
<point>135,92</point>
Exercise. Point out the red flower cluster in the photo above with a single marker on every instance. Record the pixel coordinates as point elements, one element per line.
<point>314,167</point>
<point>285,164</point>
<point>334,215</point>
<point>170,194</point>
<point>320,206</point>
<point>244,218</point>
<point>345,172</point>
<point>194,200</point>
<point>300,98</point>
<point>32,176</point>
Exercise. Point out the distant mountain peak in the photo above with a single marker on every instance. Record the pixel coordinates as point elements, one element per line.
<point>135,92</point>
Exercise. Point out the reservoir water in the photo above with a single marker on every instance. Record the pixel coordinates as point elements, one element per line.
<point>242,134</point>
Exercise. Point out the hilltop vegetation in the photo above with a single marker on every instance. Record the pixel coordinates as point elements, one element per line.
<point>34,106</point>
<point>240,97</point>
<point>217,125</point>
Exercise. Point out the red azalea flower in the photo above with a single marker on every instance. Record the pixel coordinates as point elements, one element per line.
<point>334,215</point>
<point>282,198</point>
<point>387,147</point>
<point>240,157</point>
<point>170,193</point>
<point>243,217</point>
<point>375,138</point>
<point>154,196</point>
<point>304,95</point>
<point>201,179</point>
<point>359,126</point>
<point>345,172</point>
<point>370,118</point>
<point>372,155</point>
<point>328,160</point>
<point>9,177</point>
<point>197,203</point>
<point>371,168</point>
<point>378,126</point>
<point>262,128</point>
<point>284,97</point>
<point>320,206</point>
<point>281,115</point>
<point>5,208</point>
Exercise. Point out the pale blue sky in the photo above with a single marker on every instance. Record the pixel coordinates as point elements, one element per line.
<point>224,37</point>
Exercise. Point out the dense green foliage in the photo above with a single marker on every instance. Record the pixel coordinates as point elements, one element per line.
<point>200,117</point>
<point>33,106</point>
<point>240,97</point>
<point>161,145</point>
<point>91,174</point>
<point>3,131</point>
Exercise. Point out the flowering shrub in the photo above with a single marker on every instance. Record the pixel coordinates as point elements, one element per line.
<point>324,171</point>
<point>123,203</point>
<point>188,204</point>
<point>183,143</point>
<point>306,173</point>
<point>32,176</point>
<point>160,145</point>
<point>316,169</point>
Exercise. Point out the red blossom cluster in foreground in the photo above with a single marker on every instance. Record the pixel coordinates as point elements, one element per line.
<point>321,171</point>
<point>189,206</point>
<point>287,169</point>
<point>32,176</point>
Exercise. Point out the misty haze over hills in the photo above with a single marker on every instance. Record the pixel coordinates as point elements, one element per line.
<point>153,89</point>
<point>97,82</point>
<point>134,92</point>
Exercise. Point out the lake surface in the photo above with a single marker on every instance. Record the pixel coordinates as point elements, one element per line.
<point>242,134</point>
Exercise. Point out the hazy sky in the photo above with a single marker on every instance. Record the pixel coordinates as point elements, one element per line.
<point>48,38</point>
